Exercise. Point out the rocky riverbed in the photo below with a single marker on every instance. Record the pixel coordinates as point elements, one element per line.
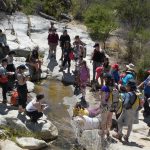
<point>25,32</point>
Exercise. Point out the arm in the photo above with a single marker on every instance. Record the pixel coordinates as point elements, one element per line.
<point>141,85</point>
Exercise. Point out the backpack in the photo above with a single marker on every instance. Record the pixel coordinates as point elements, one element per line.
<point>14,98</point>
<point>114,99</point>
<point>136,104</point>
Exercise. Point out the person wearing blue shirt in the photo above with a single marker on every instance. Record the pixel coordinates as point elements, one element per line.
<point>146,85</point>
<point>115,73</point>
<point>129,76</point>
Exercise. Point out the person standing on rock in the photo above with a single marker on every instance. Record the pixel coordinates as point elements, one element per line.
<point>146,85</point>
<point>3,42</point>
<point>4,79</point>
<point>53,39</point>
<point>84,75</point>
<point>63,38</point>
<point>66,52</point>
<point>128,113</point>
<point>22,88</point>
<point>97,58</point>
<point>34,109</point>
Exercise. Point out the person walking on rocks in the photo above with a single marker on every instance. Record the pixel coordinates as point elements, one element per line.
<point>63,38</point>
<point>128,113</point>
<point>84,75</point>
<point>146,85</point>
<point>53,39</point>
<point>22,88</point>
<point>34,109</point>
<point>97,58</point>
<point>4,79</point>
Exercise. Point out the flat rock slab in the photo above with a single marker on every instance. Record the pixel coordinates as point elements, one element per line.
<point>9,145</point>
<point>31,143</point>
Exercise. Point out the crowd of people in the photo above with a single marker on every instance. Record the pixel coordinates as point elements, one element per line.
<point>118,92</point>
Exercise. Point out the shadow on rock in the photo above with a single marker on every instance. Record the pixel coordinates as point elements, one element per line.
<point>52,64</point>
<point>134,144</point>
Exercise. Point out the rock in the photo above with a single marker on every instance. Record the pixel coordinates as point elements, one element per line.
<point>65,16</point>
<point>43,75</point>
<point>30,86</point>
<point>46,16</point>
<point>13,121</point>
<point>3,121</point>
<point>31,143</point>
<point>45,129</point>
<point>9,145</point>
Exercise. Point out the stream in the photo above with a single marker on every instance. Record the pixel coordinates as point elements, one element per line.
<point>54,92</point>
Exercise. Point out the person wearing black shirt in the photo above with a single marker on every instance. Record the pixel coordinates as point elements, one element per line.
<point>63,38</point>
<point>98,58</point>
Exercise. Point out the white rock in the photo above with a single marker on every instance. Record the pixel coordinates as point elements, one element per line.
<point>31,143</point>
<point>30,86</point>
<point>9,145</point>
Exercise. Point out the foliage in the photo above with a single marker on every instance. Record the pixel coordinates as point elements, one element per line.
<point>101,22</point>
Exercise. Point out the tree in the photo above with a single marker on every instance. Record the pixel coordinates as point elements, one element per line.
<point>135,17</point>
<point>100,21</point>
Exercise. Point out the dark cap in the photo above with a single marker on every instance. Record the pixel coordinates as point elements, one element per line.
<point>23,67</point>
<point>96,45</point>
<point>39,96</point>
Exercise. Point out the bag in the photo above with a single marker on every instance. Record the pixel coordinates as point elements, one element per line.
<point>136,104</point>
<point>14,98</point>
<point>71,56</point>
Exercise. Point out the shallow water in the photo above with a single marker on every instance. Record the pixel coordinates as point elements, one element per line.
<point>54,92</point>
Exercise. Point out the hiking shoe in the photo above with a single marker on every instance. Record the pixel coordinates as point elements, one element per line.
<point>117,136</point>
<point>126,139</point>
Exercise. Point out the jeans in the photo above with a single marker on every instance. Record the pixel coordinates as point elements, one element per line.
<point>4,90</point>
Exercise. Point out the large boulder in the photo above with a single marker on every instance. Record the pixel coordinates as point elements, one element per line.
<point>31,143</point>
<point>9,145</point>
<point>45,129</point>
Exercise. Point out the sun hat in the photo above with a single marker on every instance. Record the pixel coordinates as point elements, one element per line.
<point>130,66</point>
<point>115,66</point>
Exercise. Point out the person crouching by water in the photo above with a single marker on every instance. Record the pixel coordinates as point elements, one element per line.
<point>35,108</point>
<point>22,88</point>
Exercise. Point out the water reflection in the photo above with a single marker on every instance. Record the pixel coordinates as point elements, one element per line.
<point>54,93</point>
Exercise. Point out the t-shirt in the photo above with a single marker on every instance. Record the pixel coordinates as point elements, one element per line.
<point>63,39</point>
<point>66,52</point>
<point>3,75</point>
<point>53,38</point>
<point>84,74</point>
<point>105,94</point>
<point>126,79</point>
<point>147,86</point>
<point>98,56</point>
<point>115,75</point>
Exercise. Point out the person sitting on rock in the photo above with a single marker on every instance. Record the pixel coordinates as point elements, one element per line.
<point>34,60</point>
<point>4,79</point>
<point>53,39</point>
<point>22,88</point>
<point>34,109</point>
